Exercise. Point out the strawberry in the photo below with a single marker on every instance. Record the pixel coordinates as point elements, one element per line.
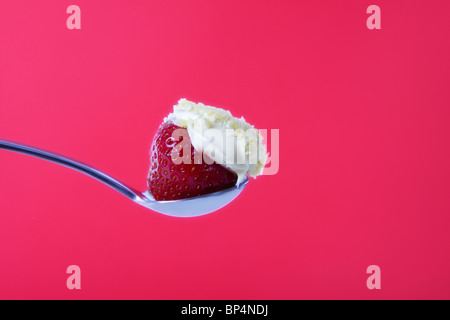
<point>170,181</point>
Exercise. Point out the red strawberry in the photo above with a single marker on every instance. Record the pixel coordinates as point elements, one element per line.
<point>170,181</point>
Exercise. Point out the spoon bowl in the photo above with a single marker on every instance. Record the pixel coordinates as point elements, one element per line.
<point>185,208</point>
<point>193,207</point>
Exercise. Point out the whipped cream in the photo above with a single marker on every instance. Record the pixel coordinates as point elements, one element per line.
<point>229,141</point>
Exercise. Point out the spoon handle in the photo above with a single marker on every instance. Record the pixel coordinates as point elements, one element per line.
<point>78,166</point>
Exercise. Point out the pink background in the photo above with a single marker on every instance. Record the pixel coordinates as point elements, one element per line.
<point>364,153</point>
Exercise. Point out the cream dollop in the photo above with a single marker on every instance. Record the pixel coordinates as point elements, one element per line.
<point>229,141</point>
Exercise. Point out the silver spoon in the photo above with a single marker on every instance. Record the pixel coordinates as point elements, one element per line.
<point>190,207</point>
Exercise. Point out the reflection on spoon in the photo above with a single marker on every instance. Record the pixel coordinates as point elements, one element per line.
<point>190,207</point>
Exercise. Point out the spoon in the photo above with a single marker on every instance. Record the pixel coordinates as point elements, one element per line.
<point>190,207</point>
